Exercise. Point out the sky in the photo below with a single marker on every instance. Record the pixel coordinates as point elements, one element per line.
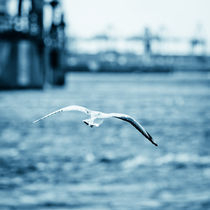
<point>183,19</point>
<point>177,18</point>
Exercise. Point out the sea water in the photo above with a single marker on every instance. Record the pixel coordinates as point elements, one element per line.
<point>60,163</point>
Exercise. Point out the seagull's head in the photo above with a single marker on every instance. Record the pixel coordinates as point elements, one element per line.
<point>90,123</point>
<point>86,122</point>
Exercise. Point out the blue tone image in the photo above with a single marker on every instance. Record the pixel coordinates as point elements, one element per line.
<point>143,67</point>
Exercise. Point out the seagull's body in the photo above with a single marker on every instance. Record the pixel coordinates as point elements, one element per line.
<point>95,115</point>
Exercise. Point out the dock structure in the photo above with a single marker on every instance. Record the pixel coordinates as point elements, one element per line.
<point>26,59</point>
<point>142,53</point>
<point>55,49</point>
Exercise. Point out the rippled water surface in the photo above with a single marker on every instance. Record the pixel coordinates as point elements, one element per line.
<point>61,163</point>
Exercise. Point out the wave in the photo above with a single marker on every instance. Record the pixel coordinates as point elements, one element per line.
<point>181,159</point>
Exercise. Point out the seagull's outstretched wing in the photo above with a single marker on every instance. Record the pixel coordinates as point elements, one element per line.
<point>134,123</point>
<point>100,115</point>
<point>66,109</point>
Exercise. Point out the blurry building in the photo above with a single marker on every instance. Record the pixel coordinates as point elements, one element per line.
<point>26,59</point>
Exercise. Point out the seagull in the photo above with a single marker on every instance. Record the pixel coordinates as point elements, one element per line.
<point>96,119</point>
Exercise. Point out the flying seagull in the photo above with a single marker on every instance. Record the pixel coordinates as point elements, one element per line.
<point>96,116</point>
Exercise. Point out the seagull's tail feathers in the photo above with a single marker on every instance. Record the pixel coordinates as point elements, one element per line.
<point>52,113</point>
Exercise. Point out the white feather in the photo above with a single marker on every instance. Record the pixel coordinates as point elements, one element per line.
<point>95,115</point>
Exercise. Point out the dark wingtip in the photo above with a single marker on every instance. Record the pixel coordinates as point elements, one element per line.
<point>150,138</point>
<point>155,144</point>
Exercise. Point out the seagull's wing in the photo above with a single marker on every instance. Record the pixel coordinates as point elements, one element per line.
<point>134,123</point>
<point>66,109</point>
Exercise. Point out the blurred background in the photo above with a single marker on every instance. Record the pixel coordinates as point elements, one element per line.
<point>149,59</point>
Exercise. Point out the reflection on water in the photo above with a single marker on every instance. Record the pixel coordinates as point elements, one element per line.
<point>63,164</point>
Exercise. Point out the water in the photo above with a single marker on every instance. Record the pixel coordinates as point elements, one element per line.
<point>63,164</point>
